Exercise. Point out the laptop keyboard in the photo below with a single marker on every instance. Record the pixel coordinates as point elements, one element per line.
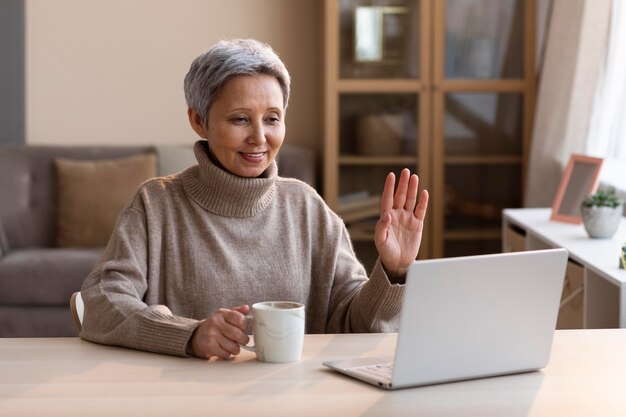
<point>381,372</point>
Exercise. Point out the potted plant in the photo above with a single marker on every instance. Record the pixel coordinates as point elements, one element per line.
<point>601,213</point>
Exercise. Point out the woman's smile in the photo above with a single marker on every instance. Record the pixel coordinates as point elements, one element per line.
<point>253,157</point>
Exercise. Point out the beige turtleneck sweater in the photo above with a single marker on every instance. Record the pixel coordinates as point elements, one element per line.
<point>204,239</point>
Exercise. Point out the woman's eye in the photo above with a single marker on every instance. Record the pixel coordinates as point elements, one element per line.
<point>272,120</point>
<point>240,120</point>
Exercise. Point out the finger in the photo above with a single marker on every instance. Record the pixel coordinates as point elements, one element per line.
<point>229,346</point>
<point>205,341</point>
<point>386,201</point>
<point>234,328</point>
<point>235,334</point>
<point>221,343</point>
<point>244,309</point>
<point>403,184</point>
<point>420,210</point>
<point>411,196</point>
<point>215,349</point>
<point>235,318</point>
<point>219,325</point>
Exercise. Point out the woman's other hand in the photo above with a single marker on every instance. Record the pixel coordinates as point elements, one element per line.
<point>221,334</point>
<point>398,233</point>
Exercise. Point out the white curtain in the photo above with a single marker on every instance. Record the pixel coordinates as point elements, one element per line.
<point>574,58</point>
<point>607,130</point>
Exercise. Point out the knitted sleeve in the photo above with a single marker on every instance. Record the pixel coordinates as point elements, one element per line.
<point>113,292</point>
<point>359,304</point>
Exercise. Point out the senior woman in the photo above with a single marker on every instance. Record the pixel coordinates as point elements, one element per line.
<point>191,252</point>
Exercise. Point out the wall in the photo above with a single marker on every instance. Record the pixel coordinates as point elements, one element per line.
<point>11,71</point>
<point>111,71</point>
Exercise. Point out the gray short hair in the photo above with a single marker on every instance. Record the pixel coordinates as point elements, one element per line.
<point>211,70</point>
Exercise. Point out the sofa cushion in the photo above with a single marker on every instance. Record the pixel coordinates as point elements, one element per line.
<point>27,187</point>
<point>44,276</point>
<point>91,194</point>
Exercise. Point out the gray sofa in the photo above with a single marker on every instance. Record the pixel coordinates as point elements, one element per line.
<point>37,278</point>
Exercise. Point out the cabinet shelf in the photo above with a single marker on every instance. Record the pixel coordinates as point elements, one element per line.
<point>377,160</point>
<point>482,159</point>
<point>500,86</point>
<point>379,86</point>
<point>415,86</point>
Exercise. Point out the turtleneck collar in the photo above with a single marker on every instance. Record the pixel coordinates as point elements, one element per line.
<point>226,194</point>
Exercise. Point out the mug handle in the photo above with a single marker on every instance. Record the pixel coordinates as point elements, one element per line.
<point>247,347</point>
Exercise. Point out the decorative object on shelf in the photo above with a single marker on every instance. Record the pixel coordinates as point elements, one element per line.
<point>622,258</point>
<point>457,204</point>
<point>381,134</point>
<point>601,213</point>
<point>580,179</point>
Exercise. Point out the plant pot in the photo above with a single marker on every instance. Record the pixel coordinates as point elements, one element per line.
<point>601,222</point>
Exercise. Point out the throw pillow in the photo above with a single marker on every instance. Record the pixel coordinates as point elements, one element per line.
<point>91,194</point>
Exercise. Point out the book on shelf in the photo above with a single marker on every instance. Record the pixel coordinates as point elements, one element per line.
<point>358,206</point>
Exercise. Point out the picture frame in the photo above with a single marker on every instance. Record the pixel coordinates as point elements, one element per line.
<point>581,178</point>
<point>373,42</point>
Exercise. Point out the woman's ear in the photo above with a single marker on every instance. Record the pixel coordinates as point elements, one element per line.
<point>196,123</point>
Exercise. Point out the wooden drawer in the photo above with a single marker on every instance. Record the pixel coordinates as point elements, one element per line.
<point>571,311</point>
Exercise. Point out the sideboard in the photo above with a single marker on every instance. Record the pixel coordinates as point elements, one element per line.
<point>603,285</point>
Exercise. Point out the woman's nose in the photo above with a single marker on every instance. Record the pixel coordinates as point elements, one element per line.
<point>257,136</point>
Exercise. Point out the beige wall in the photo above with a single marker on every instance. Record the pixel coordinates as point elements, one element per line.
<point>111,71</point>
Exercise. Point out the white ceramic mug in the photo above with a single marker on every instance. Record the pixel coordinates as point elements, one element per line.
<point>278,328</point>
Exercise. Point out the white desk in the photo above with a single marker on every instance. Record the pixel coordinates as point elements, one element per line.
<point>68,377</point>
<point>604,304</point>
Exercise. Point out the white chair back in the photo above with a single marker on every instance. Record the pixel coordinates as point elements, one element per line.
<point>78,309</point>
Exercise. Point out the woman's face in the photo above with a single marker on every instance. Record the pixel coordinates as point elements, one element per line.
<point>246,125</point>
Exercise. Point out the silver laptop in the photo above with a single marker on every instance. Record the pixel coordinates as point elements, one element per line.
<point>470,317</point>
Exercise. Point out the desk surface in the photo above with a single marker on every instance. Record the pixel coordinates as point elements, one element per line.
<point>70,377</point>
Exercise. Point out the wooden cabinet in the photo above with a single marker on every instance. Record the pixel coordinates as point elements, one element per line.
<point>443,87</point>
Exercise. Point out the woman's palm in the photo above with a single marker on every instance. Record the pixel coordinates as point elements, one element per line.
<point>399,231</point>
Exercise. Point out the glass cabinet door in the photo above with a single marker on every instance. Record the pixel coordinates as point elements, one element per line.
<point>380,95</point>
<point>484,39</point>
<point>482,135</point>
<point>379,99</point>
<point>481,120</point>
<point>379,39</point>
